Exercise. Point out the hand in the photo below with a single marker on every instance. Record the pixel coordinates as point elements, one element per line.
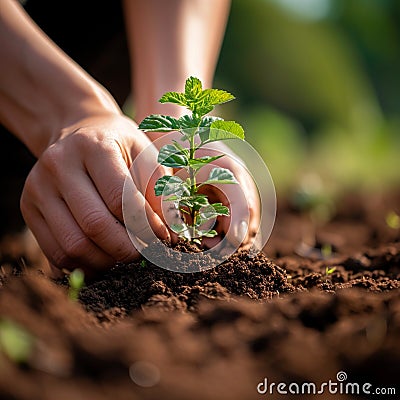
<point>242,199</point>
<point>72,199</point>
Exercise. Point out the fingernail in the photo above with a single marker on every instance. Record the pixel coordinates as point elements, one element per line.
<point>241,231</point>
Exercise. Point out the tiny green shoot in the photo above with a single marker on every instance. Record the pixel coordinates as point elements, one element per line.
<point>197,130</point>
<point>329,270</point>
<point>392,220</point>
<point>143,263</point>
<point>16,342</point>
<point>76,281</point>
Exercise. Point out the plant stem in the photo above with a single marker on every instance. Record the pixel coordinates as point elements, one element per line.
<point>192,177</point>
<point>193,186</point>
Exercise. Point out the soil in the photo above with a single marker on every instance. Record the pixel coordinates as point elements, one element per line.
<point>323,298</point>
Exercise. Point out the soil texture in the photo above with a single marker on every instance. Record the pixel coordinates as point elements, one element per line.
<point>323,300</point>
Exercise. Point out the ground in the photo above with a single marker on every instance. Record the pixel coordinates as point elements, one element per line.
<point>321,303</point>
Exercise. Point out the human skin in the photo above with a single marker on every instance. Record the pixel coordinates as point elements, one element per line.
<point>72,199</point>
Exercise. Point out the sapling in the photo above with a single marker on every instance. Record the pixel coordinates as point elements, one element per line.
<point>197,130</point>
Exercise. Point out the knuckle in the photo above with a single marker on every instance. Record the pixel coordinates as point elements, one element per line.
<point>93,223</point>
<point>126,255</point>
<point>51,157</point>
<point>87,140</point>
<point>59,259</point>
<point>75,247</point>
<point>114,200</point>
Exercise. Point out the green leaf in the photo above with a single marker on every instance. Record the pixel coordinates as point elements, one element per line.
<point>204,128</point>
<point>217,96</point>
<point>171,156</point>
<point>159,123</point>
<point>168,185</point>
<point>193,88</point>
<point>220,175</point>
<point>173,198</point>
<point>188,121</point>
<point>175,98</point>
<point>207,233</point>
<point>210,212</point>
<point>213,211</point>
<point>220,209</point>
<point>202,108</point>
<point>197,163</point>
<point>223,130</point>
<point>179,228</point>
<point>199,101</point>
<point>182,149</point>
<point>196,201</point>
<point>208,120</point>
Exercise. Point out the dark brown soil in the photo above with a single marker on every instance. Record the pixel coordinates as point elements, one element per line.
<point>325,300</point>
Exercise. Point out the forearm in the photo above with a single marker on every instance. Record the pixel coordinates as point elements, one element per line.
<point>169,41</point>
<point>41,89</point>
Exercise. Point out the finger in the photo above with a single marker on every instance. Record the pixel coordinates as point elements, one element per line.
<point>55,254</point>
<point>109,174</point>
<point>145,171</point>
<point>73,241</point>
<point>94,218</point>
<point>55,229</point>
<point>242,224</point>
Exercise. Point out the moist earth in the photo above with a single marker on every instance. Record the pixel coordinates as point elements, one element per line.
<point>322,299</point>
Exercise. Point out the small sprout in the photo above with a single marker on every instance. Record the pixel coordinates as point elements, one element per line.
<point>197,129</point>
<point>143,263</point>
<point>326,250</point>
<point>15,341</point>
<point>76,281</point>
<point>329,271</point>
<point>393,220</point>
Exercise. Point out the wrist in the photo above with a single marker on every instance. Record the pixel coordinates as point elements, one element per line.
<point>79,105</point>
<point>94,102</point>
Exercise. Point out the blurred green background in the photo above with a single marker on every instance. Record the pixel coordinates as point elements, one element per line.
<point>318,89</point>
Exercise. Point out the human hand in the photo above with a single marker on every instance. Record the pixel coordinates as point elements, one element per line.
<point>242,225</point>
<point>72,199</point>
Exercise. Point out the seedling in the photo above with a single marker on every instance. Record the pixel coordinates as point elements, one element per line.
<point>329,271</point>
<point>76,281</point>
<point>197,130</point>
<point>15,341</point>
<point>143,263</point>
<point>393,220</point>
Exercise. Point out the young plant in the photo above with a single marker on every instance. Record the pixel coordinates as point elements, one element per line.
<point>392,220</point>
<point>197,129</point>
<point>329,270</point>
<point>15,341</point>
<point>76,282</point>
